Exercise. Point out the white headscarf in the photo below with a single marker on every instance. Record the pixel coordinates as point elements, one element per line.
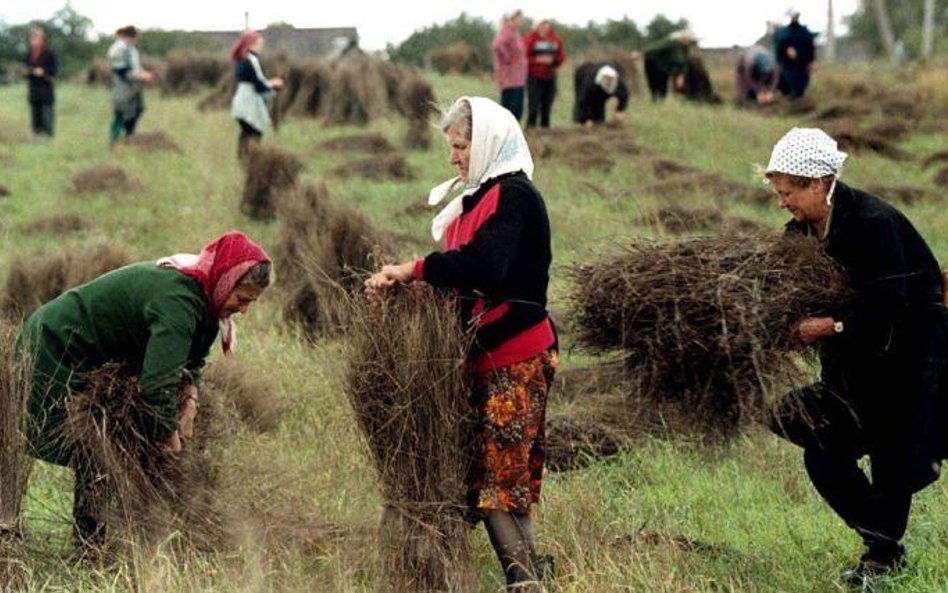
<point>607,78</point>
<point>497,147</point>
<point>807,152</point>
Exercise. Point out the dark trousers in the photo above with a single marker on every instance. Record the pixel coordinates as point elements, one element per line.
<point>122,124</point>
<point>512,99</point>
<point>794,82</point>
<point>540,95</point>
<point>248,135</point>
<point>833,440</point>
<point>42,117</point>
<point>657,79</point>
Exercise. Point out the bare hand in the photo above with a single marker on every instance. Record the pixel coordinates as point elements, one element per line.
<point>618,116</point>
<point>389,276</point>
<point>792,53</point>
<point>680,82</point>
<point>765,98</point>
<point>276,83</point>
<point>546,59</point>
<point>813,329</point>
<point>588,123</point>
<point>39,72</point>
<point>146,76</point>
<point>173,444</point>
<point>187,411</point>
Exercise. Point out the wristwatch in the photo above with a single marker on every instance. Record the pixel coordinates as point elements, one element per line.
<point>838,327</point>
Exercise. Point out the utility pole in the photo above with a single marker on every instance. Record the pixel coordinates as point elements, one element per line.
<point>885,27</point>
<point>830,54</point>
<point>928,30</point>
<point>246,20</point>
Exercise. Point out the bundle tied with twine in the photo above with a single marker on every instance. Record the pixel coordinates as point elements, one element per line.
<point>408,387</point>
<point>707,323</point>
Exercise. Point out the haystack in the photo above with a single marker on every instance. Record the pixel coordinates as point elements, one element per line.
<point>41,276</point>
<point>325,252</point>
<point>706,323</point>
<point>269,171</point>
<point>5,191</point>
<point>58,224</point>
<point>941,177</point>
<point>250,392</point>
<point>459,57</point>
<point>187,71</point>
<point>378,168</point>
<point>417,104</point>
<point>407,385</point>
<point>357,90</point>
<point>152,141</point>
<point>371,143</point>
<point>105,178</point>
<point>312,89</point>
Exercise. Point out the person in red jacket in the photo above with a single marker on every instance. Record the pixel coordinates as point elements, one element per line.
<point>496,259</point>
<point>544,56</point>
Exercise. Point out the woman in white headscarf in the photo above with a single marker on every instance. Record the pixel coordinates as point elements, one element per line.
<point>594,84</point>
<point>497,258</point>
<point>881,354</point>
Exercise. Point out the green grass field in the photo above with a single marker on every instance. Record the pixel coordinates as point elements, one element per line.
<point>615,526</point>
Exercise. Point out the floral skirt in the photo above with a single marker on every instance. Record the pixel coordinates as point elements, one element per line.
<point>510,446</point>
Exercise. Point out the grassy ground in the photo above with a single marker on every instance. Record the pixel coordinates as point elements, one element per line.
<point>668,516</point>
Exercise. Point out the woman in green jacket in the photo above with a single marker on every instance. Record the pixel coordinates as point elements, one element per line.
<point>157,318</point>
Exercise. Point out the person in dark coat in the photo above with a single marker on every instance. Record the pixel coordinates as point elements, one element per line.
<point>595,83</point>
<point>795,49</point>
<point>667,61</point>
<point>882,353</point>
<point>40,63</point>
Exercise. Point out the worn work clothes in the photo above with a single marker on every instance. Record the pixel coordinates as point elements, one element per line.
<point>544,55</point>
<point>42,118</point>
<point>756,73</point>
<point>127,101</point>
<point>884,370</point>
<point>152,319</point>
<point>250,101</point>
<point>510,58</point>
<point>540,95</point>
<point>664,60</point>
<point>40,89</point>
<point>591,98</point>
<point>794,72</point>
<point>497,256</point>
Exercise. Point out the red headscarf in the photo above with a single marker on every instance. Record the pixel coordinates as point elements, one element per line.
<point>241,47</point>
<point>218,268</point>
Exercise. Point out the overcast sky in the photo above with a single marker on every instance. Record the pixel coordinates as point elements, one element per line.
<point>717,22</point>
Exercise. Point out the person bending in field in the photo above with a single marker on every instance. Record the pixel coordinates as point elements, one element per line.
<point>128,104</point>
<point>882,355</point>
<point>666,61</point>
<point>158,318</point>
<point>496,259</point>
<point>756,76</point>
<point>595,83</point>
<point>250,103</point>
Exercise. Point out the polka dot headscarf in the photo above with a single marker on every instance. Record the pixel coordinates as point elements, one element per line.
<point>806,152</point>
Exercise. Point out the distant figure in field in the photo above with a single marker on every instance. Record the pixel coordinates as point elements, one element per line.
<point>595,83</point>
<point>882,354</point>
<point>40,64</point>
<point>510,63</point>
<point>544,55</point>
<point>794,46</point>
<point>250,103</point>
<point>756,76</point>
<point>667,60</point>
<point>128,76</point>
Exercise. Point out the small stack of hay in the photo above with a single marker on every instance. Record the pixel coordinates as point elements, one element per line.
<point>39,277</point>
<point>104,178</point>
<point>706,323</point>
<point>325,250</point>
<point>187,72</point>
<point>417,104</point>
<point>269,172</point>
<point>409,390</point>
<point>459,57</point>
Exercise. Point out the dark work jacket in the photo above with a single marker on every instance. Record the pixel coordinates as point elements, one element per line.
<point>888,360</point>
<point>497,258</point>
<point>798,37</point>
<point>40,88</point>
<point>591,98</point>
<point>245,72</point>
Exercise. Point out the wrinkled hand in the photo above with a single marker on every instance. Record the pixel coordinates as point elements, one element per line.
<point>391,275</point>
<point>813,329</point>
<point>187,411</point>
<point>173,444</point>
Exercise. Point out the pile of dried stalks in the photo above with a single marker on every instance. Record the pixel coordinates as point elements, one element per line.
<point>105,178</point>
<point>459,57</point>
<point>58,224</point>
<point>706,322</point>
<point>371,143</point>
<point>417,104</point>
<point>409,390</point>
<point>152,141</point>
<point>39,277</point>
<point>269,172</point>
<point>187,72</point>
<point>377,168</point>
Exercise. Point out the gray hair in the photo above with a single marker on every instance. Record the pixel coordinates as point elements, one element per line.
<point>260,276</point>
<point>459,116</point>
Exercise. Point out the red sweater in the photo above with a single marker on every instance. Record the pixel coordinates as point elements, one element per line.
<point>538,48</point>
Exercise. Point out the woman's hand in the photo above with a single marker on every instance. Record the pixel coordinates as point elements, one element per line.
<point>187,411</point>
<point>813,329</point>
<point>276,82</point>
<point>389,276</point>
<point>173,444</point>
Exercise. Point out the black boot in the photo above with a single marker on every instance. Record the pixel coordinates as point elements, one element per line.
<point>873,565</point>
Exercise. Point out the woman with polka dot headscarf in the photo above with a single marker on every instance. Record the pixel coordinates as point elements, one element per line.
<point>882,354</point>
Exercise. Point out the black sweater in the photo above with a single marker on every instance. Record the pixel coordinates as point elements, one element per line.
<point>505,261</point>
<point>591,98</point>
<point>245,72</point>
<point>41,87</point>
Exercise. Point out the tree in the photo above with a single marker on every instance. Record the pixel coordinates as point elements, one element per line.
<point>69,35</point>
<point>885,28</point>
<point>906,18</point>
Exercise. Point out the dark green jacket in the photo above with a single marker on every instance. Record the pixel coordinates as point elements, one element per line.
<point>152,319</point>
<point>670,55</point>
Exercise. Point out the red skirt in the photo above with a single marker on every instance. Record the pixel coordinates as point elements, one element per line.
<point>510,446</point>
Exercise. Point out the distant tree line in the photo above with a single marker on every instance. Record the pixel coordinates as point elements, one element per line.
<point>479,32</point>
<point>905,18</point>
